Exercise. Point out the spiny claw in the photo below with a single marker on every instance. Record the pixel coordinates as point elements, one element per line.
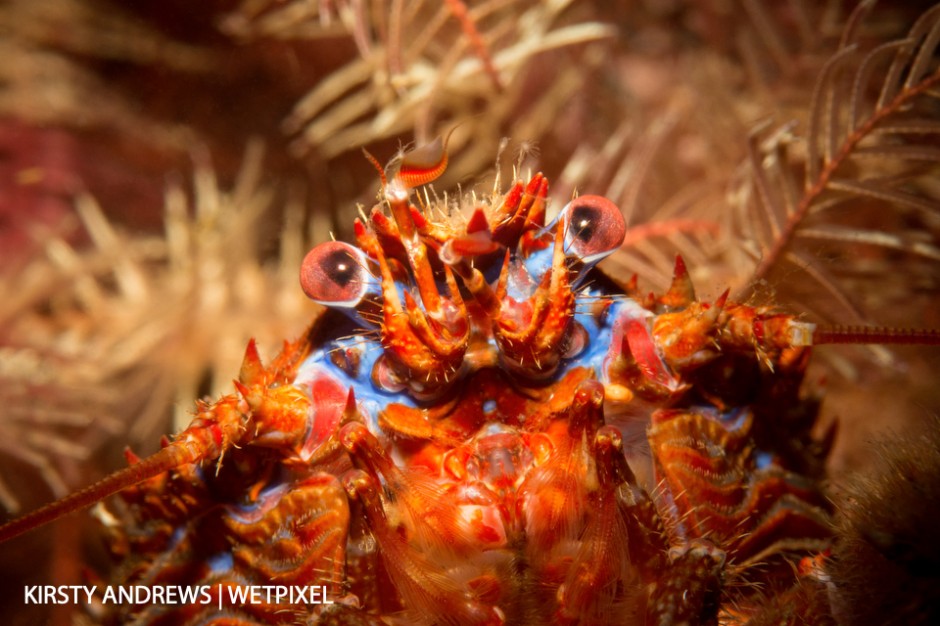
<point>686,338</point>
<point>279,415</point>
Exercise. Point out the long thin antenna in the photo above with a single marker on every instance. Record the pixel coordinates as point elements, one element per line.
<point>875,335</point>
<point>166,459</point>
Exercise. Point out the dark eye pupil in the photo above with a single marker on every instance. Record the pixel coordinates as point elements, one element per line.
<point>335,274</point>
<point>584,220</point>
<point>594,228</point>
<point>341,267</point>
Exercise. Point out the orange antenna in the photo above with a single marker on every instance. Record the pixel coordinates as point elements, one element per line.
<point>208,437</point>
<point>378,166</point>
<point>875,335</point>
<point>168,458</point>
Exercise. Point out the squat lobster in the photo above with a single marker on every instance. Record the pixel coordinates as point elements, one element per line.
<point>446,443</point>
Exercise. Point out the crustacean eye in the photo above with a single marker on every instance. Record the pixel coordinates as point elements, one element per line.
<point>336,274</point>
<point>595,228</point>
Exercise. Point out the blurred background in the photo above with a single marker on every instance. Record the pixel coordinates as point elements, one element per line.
<point>164,167</point>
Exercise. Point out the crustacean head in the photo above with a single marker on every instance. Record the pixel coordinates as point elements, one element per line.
<point>449,296</point>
